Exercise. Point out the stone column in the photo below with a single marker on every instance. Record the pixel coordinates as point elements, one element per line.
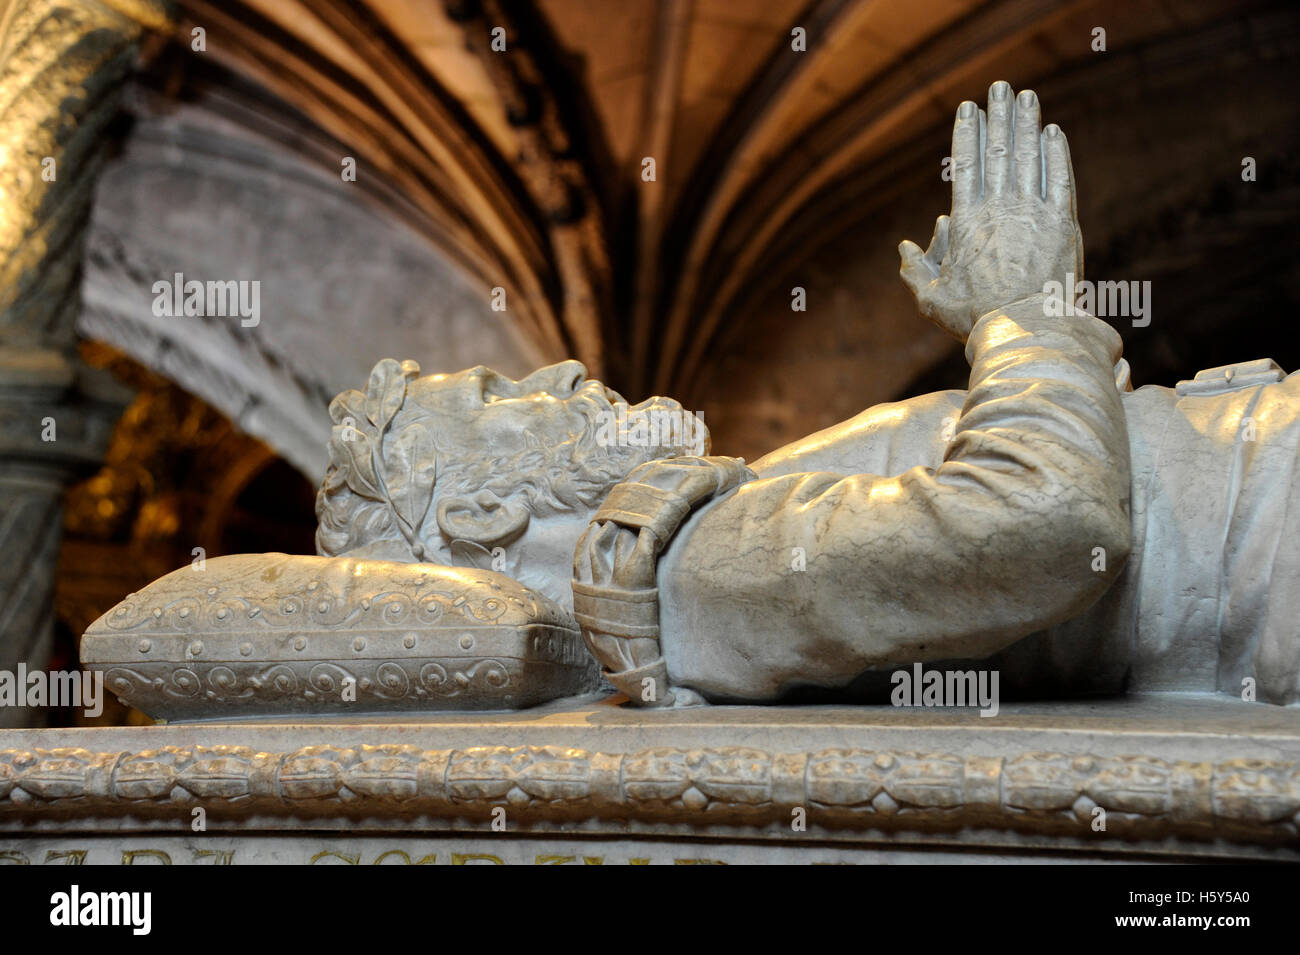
<point>62,66</point>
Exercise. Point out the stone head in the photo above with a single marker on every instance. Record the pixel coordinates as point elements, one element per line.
<point>478,468</point>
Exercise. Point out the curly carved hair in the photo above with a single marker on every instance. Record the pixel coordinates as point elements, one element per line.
<point>387,470</point>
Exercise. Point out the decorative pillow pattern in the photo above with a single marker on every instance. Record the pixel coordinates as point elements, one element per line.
<point>276,634</point>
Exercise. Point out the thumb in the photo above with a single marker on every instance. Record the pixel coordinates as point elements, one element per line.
<point>913,271</point>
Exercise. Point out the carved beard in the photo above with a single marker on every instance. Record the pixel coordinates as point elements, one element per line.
<point>564,476</point>
<point>557,475</point>
<point>573,475</point>
<point>609,447</point>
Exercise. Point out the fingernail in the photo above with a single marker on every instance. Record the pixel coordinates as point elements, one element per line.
<point>966,110</point>
<point>1051,130</point>
<point>1027,98</point>
<point>999,90</point>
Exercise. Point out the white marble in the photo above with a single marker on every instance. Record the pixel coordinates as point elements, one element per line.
<point>1047,532</point>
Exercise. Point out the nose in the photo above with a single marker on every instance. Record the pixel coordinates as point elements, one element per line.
<point>560,380</point>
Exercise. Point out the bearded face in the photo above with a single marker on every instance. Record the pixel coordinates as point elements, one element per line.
<point>432,468</point>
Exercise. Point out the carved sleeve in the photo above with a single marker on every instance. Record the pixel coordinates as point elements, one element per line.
<point>615,598</point>
<point>813,578</point>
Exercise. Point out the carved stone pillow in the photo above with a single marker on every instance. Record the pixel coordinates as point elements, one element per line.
<point>276,634</point>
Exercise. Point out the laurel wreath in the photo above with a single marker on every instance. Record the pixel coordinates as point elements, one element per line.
<point>395,467</point>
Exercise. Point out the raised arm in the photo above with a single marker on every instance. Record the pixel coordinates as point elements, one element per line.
<point>813,578</point>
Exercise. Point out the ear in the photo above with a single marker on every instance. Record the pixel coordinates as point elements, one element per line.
<point>483,518</point>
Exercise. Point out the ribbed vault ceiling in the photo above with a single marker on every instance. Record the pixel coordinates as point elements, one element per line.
<point>524,165</point>
<point>522,169</point>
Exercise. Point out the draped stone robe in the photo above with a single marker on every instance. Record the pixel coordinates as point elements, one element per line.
<point>993,525</point>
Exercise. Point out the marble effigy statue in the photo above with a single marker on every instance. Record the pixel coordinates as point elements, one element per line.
<point>428,687</point>
<point>1065,531</point>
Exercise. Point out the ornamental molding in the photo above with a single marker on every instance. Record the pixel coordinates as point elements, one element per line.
<point>844,790</point>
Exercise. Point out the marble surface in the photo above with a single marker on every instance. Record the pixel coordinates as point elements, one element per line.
<point>1174,777</point>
